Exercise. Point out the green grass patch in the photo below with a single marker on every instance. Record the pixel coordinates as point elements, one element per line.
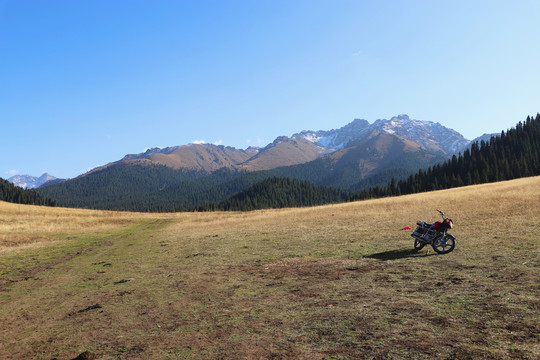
<point>13,265</point>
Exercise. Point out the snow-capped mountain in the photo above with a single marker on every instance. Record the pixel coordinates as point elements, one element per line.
<point>429,135</point>
<point>30,182</point>
<point>336,139</point>
<point>302,147</point>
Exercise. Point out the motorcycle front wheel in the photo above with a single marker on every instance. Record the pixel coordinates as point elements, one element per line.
<point>418,245</point>
<point>444,244</point>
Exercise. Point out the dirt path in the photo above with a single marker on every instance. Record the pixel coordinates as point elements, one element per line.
<point>31,271</point>
<point>45,297</point>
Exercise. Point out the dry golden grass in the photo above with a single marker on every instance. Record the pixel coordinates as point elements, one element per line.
<point>505,205</point>
<point>329,282</point>
<point>516,201</point>
<point>26,226</point>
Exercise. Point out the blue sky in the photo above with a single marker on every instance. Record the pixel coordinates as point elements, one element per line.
<point>82,83</point>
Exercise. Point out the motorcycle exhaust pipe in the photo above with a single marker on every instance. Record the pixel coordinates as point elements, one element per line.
<point>419,238</point>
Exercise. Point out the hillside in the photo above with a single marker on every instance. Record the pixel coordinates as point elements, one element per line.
<point>120,187</point>
<point>380,153</point>
<point>381,164</point>
<point>139,185</point>
<point>303,147</point>
<point>338,281</point>
<point>205,158</point>
<point>351,158</point>
<point>202,157</point>
<point>282,192</point>
<point>209,158</point>
<point>512,154</point>
<point>284,151</point>
<point>432,137</point>
<point>364,163</point>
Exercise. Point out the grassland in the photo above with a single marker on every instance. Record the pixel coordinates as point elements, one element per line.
<point>332,282</point>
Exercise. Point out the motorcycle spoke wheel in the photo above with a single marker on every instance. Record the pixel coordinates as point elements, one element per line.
<point>418,245</point>
<point>443,245</point>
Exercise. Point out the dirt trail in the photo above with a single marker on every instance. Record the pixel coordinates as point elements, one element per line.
<point>31,272</point>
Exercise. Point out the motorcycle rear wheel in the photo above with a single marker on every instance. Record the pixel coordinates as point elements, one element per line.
<point>444,244</point>
<point>418,245</point>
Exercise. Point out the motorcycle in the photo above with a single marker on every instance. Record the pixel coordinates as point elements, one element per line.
<point>435,234</point>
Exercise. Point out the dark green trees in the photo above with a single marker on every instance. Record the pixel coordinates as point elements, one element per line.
<point>15,194</point>
<point>278,192</point>
<point>511,155</point>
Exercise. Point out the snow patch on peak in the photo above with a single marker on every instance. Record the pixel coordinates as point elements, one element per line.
<point>312,137</point>
<point>30,182</point>
<point>429,135</point>
<point>336,139</point>
<point>330,142</point>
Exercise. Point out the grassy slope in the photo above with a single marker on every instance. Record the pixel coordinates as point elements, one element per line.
<point>330,282</point>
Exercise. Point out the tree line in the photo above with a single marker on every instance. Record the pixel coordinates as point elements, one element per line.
<point>511,155</point>
<point>18,195</point>
<point>278,192</point>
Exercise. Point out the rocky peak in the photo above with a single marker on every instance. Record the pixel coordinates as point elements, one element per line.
<point>429,135</point>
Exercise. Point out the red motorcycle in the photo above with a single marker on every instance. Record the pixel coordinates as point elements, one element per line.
<point>435,234</point>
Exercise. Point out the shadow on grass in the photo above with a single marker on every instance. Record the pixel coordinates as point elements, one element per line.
<point>400,254</point>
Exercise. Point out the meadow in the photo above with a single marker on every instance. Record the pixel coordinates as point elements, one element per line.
<point>330,282</point>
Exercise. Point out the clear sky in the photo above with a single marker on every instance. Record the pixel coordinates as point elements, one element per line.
<point>82,83</point>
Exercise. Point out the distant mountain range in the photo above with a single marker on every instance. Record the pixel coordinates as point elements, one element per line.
<point>31,182</point>
<point>284,151</point>
<point>300,148</point>
<point>303,147</point>
<point>431,136</point>
<point>358,161</point>
<point>352,158</point>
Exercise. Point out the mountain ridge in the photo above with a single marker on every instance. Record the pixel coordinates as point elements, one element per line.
<point>302,147</point>
<point>299,148</point>
<point>31,182</point>
<point>430,135</point>
<point>194,176</point>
